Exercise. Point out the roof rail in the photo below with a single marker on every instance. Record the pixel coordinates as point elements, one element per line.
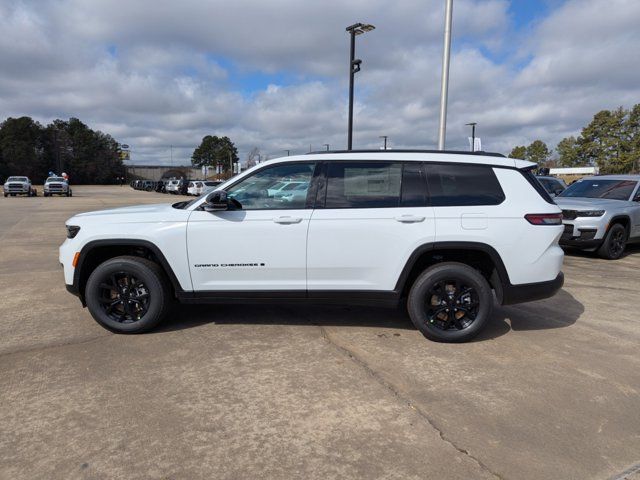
<point>449,152</point>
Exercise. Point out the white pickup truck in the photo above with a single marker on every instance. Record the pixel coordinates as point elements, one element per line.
<point>19,186</point>
<point>57,186</point>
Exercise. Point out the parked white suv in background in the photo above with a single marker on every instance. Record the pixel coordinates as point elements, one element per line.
<point>442,232</point>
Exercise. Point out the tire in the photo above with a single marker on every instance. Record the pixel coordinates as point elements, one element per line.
<point>614,242</point>
<point>152,298</point>
<point>450,302</point>
<point>6,195</point>
<point>70,193</point>
<point>45,194</point>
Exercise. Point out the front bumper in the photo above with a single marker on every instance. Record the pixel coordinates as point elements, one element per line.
<point>581,233</point>
<point>528,292</point>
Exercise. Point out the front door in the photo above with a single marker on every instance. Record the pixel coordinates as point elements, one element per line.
<point>260,246</point>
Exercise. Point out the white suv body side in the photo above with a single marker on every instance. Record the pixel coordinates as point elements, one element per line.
<point>303,251</point>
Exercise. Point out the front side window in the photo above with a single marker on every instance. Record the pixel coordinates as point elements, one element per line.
<point>598,188</point>
<point>363,184</point>
<point>263,189</point>
<point>463,185</point>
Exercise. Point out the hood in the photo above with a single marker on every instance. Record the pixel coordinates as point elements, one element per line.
<point>581,203</point>
<point>142,212</point>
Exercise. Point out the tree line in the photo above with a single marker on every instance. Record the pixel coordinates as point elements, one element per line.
<point>31,149</point>
<point>611,141</point>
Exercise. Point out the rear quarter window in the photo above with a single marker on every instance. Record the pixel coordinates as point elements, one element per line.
<point>463,185</point>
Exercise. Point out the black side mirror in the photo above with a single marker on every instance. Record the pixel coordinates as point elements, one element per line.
<point>217,202</point>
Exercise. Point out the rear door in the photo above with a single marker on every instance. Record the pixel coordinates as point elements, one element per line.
<point>370,216</point>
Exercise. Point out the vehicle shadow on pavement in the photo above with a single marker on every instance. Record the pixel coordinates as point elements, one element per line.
<point>188,316</point>
<point>632,249</point>
<point>561,311</point>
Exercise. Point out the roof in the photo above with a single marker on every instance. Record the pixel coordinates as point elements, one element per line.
<point>616,177</point>
<point>409,155</point>
<point>450,152</point>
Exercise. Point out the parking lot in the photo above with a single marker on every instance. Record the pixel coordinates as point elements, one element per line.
<point>550,390</point>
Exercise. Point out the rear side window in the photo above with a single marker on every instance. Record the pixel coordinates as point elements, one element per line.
<point>533,181</point>
<point>463,185</point>
<point>363,184</point>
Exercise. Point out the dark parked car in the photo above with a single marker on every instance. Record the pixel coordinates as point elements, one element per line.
<point>555,186</point>
<point>148,185</point>
<point>161,186</point>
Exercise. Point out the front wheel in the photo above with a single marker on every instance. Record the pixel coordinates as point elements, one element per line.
<point>128,294</point>
<point>614,242</point>
<point>450,302</point>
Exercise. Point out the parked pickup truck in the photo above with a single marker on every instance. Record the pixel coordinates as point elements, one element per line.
<point>57,186</point>
<point>19,186</point>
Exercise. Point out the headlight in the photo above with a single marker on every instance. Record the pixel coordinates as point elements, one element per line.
<point>72,231</point>
<point>590,213</point>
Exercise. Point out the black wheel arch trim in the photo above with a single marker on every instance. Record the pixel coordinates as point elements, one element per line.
<point>435,246</point>
<point>92,245</point>
<point>616,219</point>
<point>506,292</point>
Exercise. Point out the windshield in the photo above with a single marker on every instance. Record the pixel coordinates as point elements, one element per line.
<point>55,179</point>
<point>17,179</point>
<point>596,188</point>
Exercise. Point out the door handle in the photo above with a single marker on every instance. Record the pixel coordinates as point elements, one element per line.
<point>287,220</point>
<point>409,219</point>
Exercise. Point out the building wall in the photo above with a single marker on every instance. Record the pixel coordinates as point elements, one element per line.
<point>157,172</point>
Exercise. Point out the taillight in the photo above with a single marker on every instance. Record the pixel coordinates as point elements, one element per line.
<point>544,218</point>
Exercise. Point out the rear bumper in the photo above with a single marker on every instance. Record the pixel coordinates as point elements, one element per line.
<point>529,292</point>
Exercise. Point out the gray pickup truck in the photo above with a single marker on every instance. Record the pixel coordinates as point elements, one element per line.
<point>601,214</point>
<point>19,186</point>
<point>57,186</point>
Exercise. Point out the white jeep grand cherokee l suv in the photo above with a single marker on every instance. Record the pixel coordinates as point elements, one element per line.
<point>442,232</point>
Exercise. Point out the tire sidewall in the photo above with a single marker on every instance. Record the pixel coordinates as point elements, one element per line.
<point>449,271</point>
<point>151,279</point>
<point>605,249</point>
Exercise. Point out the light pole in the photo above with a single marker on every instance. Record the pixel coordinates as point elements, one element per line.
<point>473,135</point>
<point>354,67</point>
<point>444,91</point>
<point>385,140</point>
<point>287,152</point>
<point>326,145</point>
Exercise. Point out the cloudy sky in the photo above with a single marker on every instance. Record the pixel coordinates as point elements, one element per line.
<point>274,74</point>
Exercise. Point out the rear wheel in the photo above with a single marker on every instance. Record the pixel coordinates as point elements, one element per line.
<point>450,302</point>
<point>128,294</point>
<point>614,242</point>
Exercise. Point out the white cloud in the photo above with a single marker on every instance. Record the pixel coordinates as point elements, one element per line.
<point>156,74</point>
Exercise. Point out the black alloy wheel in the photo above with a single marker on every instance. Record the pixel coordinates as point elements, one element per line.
<point>452,305</point>
<point>450,302</point>
<point>614,243</point>
<point>124,298</point>
<point>128,294</point>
